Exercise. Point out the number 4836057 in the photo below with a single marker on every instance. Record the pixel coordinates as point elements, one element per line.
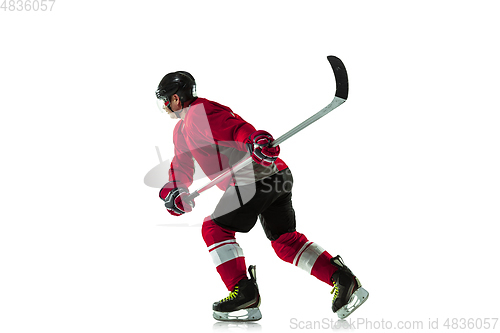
<point>27,5</point>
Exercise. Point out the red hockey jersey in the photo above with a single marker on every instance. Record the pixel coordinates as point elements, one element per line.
<point>214,136</point>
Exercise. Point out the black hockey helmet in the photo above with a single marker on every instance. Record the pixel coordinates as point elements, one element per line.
<point>180,83</point>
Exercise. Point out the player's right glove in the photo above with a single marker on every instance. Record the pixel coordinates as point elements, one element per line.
<point>175,196</point>
<point>258,144</point>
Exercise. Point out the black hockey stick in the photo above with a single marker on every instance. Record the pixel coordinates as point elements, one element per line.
<point>341,92</point>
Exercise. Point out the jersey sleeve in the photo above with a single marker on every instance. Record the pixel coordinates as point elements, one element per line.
<point>182,166</point>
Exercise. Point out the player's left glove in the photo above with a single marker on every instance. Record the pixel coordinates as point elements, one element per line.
<point>258,144</point>
<point>175,196</point>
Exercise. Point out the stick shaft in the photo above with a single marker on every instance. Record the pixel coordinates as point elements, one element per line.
<point>321,113</point>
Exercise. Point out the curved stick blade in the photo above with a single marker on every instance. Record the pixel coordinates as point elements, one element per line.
<point>340,77</point>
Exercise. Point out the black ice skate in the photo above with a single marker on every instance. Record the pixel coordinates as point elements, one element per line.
<point>243,302</point>
<point>347,292</point>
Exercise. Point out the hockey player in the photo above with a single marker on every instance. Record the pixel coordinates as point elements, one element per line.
<point>217,138</point>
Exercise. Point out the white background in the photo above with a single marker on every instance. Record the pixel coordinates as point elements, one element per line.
<point>402,180</point>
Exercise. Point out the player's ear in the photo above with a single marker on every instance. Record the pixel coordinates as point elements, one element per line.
<point>174,98</point>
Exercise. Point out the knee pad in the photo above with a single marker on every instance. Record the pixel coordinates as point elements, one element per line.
<point>212,233</point>
<point>288,245</point>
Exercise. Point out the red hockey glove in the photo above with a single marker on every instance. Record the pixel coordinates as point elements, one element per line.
<point>258,144</point>
<point>174,196</point>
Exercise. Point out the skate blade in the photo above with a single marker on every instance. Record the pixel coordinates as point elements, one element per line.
<point>357,299</point>
<point>250,314</point>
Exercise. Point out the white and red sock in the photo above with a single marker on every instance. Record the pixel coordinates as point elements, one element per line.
<point>226,254</point>
<point>294,248</point>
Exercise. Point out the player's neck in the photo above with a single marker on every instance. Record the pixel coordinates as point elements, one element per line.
<point>183,113</point>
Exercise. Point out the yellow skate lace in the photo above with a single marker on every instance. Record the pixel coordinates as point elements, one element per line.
<point>335,291</point>
<point>231,296</point>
